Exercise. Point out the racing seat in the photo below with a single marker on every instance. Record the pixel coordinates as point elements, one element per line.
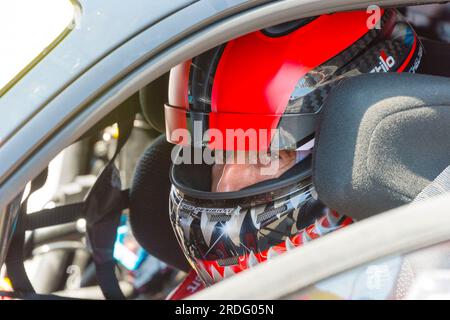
<point>382,139</point>
<point>149,205</point>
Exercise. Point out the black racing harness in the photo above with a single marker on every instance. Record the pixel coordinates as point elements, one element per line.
<point>101,208</point>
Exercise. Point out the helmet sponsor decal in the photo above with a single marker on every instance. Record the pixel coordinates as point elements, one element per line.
<point>386,63</point>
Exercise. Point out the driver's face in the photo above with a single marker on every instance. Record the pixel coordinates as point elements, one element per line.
<point>233,177</point>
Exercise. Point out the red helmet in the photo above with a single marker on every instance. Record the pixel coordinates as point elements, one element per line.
<point>277,78</point>
<point>263,91</point>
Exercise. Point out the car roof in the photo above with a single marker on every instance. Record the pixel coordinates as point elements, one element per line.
<point>100,27</point>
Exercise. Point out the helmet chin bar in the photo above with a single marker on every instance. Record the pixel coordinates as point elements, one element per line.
<point>222,238</point>
<point>233,234</point>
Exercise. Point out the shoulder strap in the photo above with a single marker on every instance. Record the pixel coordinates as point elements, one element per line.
<point>104,205</point>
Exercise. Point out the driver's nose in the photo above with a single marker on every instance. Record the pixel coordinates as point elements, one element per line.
<point>237,176</point>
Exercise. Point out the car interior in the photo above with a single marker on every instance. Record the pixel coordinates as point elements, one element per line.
<point>389,132</point>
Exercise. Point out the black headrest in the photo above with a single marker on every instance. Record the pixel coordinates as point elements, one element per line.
<point>382,138</point>
<point>149,205</point>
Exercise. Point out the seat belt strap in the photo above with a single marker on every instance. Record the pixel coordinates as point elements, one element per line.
<point>104,206</point>
<point>63,214</point>
<point>15,257</point>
